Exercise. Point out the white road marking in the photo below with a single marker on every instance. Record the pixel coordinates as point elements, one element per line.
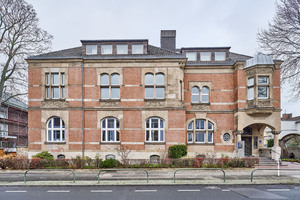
<point>224,190</point>
<point>58,191</point>
<point>16,191</point>
<point>101,190</point>
<point>145,190</point>
<point>188,190</point>
<point>278,190</point>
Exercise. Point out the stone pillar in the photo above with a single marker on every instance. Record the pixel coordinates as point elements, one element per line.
<point>239,139</point>
<point>276,149</point>
<point>238,136</point>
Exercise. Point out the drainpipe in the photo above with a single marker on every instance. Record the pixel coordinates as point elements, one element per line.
<point>82,73</point>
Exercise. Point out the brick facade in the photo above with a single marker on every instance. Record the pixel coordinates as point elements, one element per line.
<point>121,108</point>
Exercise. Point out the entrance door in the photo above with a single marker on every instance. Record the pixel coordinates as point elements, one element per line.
<point>248,145</point>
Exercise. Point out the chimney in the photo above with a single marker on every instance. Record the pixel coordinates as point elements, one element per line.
<point>287,116</point>
<point>168,39</point>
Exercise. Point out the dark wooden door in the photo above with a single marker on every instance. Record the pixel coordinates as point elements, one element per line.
<point>248,146</point>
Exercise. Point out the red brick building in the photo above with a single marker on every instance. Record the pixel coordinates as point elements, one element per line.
<point>111,93</point>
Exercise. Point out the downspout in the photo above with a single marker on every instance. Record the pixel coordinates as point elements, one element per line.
<point>82,73</point>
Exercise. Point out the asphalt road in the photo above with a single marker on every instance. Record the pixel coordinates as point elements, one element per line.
<point>177,192</point>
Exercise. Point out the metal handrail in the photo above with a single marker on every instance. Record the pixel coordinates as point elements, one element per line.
<point>123,170</point>
<point>49,170</point>
<point>200,169</point>
<point>272,170</point>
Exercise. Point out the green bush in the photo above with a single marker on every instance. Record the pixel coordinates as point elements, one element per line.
<point>43,155</point>
<point>177,151</point>
<point>110,163</point>
<point>270,142</point>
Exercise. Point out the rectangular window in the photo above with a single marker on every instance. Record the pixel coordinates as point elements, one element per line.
<point>200,137</point>
<point>4,112</point>
<point>263,87</point>
<point>55,79</point>
<point>191,56</point>
<point>210,138</point>
<point>3,130</point>
<point>106,49</point>
<point>220,56</point>
<point>110,86</point>
<point>47,79</point>
<point>137,49</point>
<point>104,93</point>
<point>160,92</point>
<point>122,49</point>
<point>91,49</point>
<point>205,56</point>
<point>55,92</point>
<point>62,78</point>
<point>62,92</point>
<point>250,88</point>
<point>149,92</point>
<point>47,93</point>
<point>190,137</point>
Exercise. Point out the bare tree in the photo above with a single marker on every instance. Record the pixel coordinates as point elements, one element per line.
<point>123,152</point>
<point>282,41</point>
<point>20,37</point>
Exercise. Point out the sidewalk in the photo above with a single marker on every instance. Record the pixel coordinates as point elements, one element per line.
<point>163,176</point>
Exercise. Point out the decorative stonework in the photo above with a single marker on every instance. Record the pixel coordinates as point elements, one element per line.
<point>250,103</point>
<point>258,71</point>
<point>238,132</point>
<point>264,103</point>
<point>110,103</point>
<point>200,106</point>
<point>275,132</point>
<point>155,103</point>
<point>55,104</point>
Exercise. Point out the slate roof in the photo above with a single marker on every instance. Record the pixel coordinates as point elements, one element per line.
<point>153,52</point>
<point>296,119</point>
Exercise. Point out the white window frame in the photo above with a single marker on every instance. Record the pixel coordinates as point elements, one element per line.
<point>266,85</point>
<point>204,130</point>
<point>110,86</point>
<point>106,49</point>
<point>250,86</point>
<point>91,49</point>
<point>220,56</point>
<point>49,85</point>
<point>155,86</point>
<point>137,49</point>
<point>52,129</point>
<point>120,46</point>
<point>159,129</point>
<point>204,94</point>
<point>204,54</point>
<point>191,56</point>
<point>196,94</point>
<point>106,129</point>
<point>4,130</point>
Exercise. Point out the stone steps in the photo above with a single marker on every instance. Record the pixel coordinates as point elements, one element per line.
<point>265,161</point>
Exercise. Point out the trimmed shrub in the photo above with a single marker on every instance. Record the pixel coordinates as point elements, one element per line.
<point>43,155</point>
<point>110,163</point>
<point>177,151</point>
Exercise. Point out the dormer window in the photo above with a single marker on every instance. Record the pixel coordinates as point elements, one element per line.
<point>122,49</point>
<point>191,56</point>
<point>91,49</point>
<point>106,49</point>
<point>205,56</point>
<point>137,49</point>
<point>220,56</point>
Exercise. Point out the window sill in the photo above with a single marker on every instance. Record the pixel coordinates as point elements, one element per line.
<point>54,100</point>
<point>55,143</point>
<point>109,100</point>
<point>154,99</point>
<point>200,103</point>
<point>205,144</point>
<point>155,143</point>
<point>118,142</point>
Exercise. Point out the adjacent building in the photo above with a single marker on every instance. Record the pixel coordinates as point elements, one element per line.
<point>110,94</point>
<point>13,125</point>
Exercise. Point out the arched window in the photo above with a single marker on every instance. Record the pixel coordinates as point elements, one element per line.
<point>110,86</point>
<point>154,86</point>
<point>110,130</point>
<point>55,130</point>
<point>205,94</point>
<point>200,131</point>
<point>155,130</point>
<point>195,94</point>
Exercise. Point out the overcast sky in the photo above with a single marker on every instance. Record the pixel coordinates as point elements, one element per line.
<point>198,23</point>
